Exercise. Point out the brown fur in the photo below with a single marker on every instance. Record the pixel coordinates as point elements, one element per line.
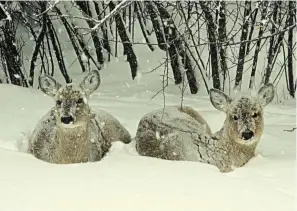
<point>174,135</point>
<point>87,137</point>
<point>193,113</point>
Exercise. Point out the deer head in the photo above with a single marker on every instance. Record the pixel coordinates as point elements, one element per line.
<point>244,116</point>
<point>71,107</point>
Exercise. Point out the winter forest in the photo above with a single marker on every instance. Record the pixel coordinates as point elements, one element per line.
<point>147,105</point>
<point>221,44</point>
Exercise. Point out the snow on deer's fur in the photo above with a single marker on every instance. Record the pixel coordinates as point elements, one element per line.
<point>182,134</point>
<point>70,132</point>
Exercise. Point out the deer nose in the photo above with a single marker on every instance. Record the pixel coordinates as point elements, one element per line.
<point>66,119</point>
<point>247,135</point>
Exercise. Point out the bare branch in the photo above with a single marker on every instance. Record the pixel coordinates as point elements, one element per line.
<point>123,4</point>
<point>51,7</point>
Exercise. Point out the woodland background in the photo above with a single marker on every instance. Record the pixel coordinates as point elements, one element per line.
<point>228,45</point>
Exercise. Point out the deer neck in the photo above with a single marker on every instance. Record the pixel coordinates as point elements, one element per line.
<point>238,154</point>
<point>72,144</point>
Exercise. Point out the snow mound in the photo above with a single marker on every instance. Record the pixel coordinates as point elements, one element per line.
<point>125,181</point>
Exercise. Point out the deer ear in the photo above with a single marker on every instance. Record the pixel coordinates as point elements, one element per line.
<point>91,82</point>
<point>219,99</point>
<point>48,85</point>
<point>266,94</point>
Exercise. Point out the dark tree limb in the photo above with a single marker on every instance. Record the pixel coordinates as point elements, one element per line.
<point>291,130</point>
<point>254,17</point>
<point>172,42</point>
<point>177,50</point>
<point>211,31</point>
<point>72,38</point>
<point>50,55</point>
<point>222,38</point>
<point>98,46</point>
<point>258,44</point>
<point>4,14</point>
<point>142,26</point>
<point>39,42</point>
<point>158,28</point>
<point>242,48</point>
<point>57,50</point>
<point>12,55</point>
<point>104,27</point>
<point>191,76</point>
<point>131,57</point>
<point>193,79</point>
<point>271,51</point>
<point>292,14</point>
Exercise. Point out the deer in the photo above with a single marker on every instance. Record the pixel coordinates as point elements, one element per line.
<point>181,134</point>
<point>70,132</point>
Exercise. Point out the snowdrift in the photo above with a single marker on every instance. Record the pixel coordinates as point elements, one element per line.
<point>125,181</point>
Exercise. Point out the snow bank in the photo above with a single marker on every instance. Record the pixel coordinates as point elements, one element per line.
<point>126,181</point>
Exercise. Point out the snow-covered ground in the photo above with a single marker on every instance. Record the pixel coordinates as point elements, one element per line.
<point>126,181</point>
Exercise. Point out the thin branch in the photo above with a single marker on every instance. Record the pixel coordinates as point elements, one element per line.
<point>50,8</point>
<point>123,4</point>
<point>8,17</point>
<point>291,130</point>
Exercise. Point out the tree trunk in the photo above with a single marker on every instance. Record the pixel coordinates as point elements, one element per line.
<point>73,40</point>
<point>85,8</point>
<point>258,44</point>
<point>242,48</point>
<point>131,57</point>
<point>222,38</point>
<point>252,29</point>
<point>157,25</point>
<point>271,51</point>
<point>291,14</point>
<point>12,55</point>
<point>58,51</point>
<point>211,31</point>
<point>142,26</point>
<point>39,41</point>
<point>166,41</point>
<point>104,28</point>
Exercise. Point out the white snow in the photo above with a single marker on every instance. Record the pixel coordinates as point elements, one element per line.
<point>84,58</point>
<point>16,75</point>
<point>123,180</point>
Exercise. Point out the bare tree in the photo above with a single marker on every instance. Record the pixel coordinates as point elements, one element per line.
<point>242,48</point>
<point>263,7</point>
<point>208,41</point>
<point>292,15</point>
<point>211,31</point>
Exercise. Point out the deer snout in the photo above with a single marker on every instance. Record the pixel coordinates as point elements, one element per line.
<point>67,119</point>
<point>247,134</point>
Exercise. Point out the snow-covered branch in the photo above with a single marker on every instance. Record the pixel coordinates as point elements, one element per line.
<point>51,7</point>
<point>123,4</point>
<point>8,17</point>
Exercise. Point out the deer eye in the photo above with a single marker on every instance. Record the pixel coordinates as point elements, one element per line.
<point>80,100</point>
<point>235,117</point>
<point>255,115</point>
<point>59,102</point>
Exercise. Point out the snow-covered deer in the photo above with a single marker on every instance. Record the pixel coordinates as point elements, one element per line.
<point>176,133</point>
<point>70,132</point>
